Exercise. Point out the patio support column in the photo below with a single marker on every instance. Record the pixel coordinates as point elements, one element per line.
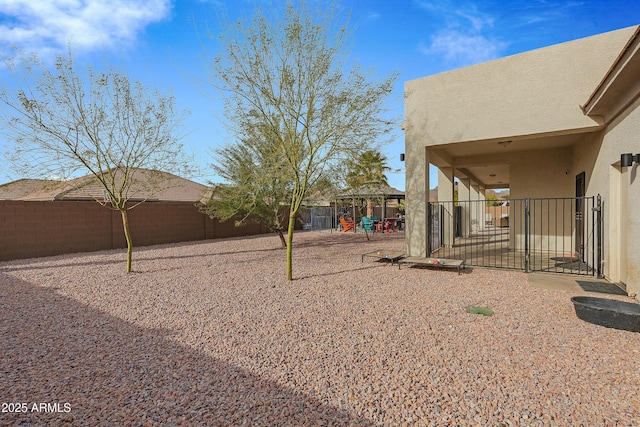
<point>417,196</point>
<point>353,206</point>
<point>334,220</point>
<point>464,194</point>
<point>483,207</point>
<point>384,207</point>
<point>445,198</point>
<point>476,208</point>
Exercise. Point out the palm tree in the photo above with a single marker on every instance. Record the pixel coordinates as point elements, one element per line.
<point>368,169</point>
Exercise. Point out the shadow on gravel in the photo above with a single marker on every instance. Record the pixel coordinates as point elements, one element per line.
<point>56,351</point>
<point>336,239</point>
<point>29,264</point>
<point>323,240</point>
<point>337,273</point>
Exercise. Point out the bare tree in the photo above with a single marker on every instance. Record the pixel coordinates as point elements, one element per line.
<point>286,76</point>
<point>63,120</point>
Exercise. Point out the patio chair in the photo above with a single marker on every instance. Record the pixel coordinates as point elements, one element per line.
<point>488,219</point>
<point>390,225</point>
<point>387,225</point>
<point>367,224</point>
<point>346,224</point>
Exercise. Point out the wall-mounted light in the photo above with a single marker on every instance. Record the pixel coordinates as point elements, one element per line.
<point>627,159</point>
<point>402,157</point>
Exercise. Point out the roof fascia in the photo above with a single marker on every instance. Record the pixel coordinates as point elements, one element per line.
<point>615,91</point>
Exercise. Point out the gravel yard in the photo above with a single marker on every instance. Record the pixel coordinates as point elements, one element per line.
<point>211,333</point>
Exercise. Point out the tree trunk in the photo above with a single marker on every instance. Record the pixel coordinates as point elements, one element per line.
<point>278,227</point>
<point>369,208</point>
<point>127,235</point>
<point>282,239</point>
<point>292,223</point>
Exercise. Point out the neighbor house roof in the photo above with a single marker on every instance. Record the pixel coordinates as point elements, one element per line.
<point>148,184</point>
<point>16,190</point>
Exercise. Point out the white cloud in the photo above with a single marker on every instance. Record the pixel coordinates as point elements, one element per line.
<point>464,49</point>
<point>537,13</point>
<point>50,25</point>
<point>372,17</point>
<point>476,18</point>
<point>463,34</point>
<point>432,5</point>
<point>453,10</point>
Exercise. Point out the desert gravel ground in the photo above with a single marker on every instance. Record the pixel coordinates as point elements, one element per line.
<point>211,333</point>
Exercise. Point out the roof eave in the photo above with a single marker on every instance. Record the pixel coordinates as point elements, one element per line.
<point>620,86</point>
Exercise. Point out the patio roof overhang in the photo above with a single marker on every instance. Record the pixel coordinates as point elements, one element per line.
<point>620,86</point>
<point>487,162</point>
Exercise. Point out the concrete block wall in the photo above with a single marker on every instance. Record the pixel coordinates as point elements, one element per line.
<point>31,229</point>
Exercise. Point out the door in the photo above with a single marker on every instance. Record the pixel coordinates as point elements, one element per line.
<point>580,193</point>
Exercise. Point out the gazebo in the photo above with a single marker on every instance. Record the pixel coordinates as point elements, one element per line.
<point>376,192</point>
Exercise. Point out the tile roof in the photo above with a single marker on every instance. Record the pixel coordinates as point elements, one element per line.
<point>16,190</point>
<point>149,184</point>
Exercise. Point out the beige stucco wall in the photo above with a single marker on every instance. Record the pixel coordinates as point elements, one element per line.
<point>417,197</point>
<point>622,210</point>
<point>535,92</point>
<point>543,174</point>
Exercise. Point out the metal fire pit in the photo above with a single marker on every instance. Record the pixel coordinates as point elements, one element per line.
<point>608,312</point>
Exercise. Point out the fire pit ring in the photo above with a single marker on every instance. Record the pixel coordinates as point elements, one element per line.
<point>608,312</point>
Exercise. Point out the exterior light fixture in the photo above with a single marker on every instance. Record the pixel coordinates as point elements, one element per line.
<point>627,159</point>
<point>402,157</point>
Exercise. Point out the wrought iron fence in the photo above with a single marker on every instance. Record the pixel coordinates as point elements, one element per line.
<point>561,235</point>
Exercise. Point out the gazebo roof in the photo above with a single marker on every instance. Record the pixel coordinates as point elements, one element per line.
<point>371,191</point>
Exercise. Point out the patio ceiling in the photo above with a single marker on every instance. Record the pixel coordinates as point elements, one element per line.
<point>489,176</point>
<point>487,162</point>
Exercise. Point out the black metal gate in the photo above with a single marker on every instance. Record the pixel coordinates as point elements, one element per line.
<point>560,235</point>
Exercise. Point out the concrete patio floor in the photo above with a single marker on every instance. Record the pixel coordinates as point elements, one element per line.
<point>564,282</point>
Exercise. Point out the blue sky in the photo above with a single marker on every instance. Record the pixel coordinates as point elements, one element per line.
<point>157,43</point>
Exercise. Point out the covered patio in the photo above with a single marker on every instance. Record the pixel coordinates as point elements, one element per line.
<point>550,125</point>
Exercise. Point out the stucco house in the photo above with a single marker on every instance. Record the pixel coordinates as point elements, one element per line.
<point>549,124</point>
